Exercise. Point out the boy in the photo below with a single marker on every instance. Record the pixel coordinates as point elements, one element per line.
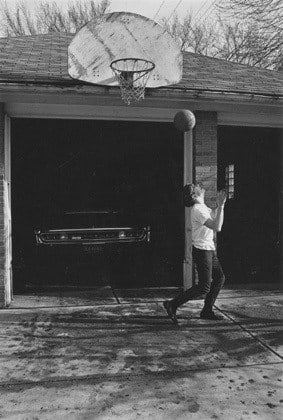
<point>205,222</point>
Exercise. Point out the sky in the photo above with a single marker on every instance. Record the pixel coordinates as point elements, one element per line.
<point>149,8</point>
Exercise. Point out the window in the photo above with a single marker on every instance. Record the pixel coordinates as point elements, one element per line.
<point>230,180</point>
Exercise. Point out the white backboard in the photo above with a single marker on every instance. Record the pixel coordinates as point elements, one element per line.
<point>123,35</point>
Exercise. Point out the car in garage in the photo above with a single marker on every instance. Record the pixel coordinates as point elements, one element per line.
<point>85,248</point>
<point>92,231</point>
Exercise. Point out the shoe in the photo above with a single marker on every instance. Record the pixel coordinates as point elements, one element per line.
<point>170,311</point>
<point>210,315</point>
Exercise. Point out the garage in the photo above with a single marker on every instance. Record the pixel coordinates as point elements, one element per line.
<point>84,166</point>
<point>71,147</point>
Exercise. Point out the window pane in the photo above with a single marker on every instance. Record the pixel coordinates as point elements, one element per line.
<point>230,180</point>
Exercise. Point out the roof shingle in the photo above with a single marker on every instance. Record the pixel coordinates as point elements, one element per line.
<point>43,59</point>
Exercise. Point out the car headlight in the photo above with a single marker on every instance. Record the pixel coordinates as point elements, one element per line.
<point>63,236</point>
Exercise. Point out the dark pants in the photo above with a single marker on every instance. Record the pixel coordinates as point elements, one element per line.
<point>211,280</point>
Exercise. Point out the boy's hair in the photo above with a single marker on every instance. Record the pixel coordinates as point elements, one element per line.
<point>189,195</point>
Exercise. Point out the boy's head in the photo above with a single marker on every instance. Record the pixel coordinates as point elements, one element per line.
<point>193,193</point>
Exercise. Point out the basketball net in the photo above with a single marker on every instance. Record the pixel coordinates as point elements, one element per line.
<point>132,75</point>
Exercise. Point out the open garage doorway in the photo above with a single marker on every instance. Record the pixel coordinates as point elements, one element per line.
<point>61,167</point>
<point>249,168</point>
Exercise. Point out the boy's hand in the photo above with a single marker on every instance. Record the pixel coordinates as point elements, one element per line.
<point>221,198</point>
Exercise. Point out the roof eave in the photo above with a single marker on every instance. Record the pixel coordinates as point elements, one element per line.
<point>171,92</point>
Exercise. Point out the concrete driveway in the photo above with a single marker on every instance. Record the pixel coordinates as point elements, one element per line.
<point>127,360</point>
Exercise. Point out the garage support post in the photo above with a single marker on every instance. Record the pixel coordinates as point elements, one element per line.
<point>5,220</point>
<point>2,242</point>
<point>188,178</point>
<point>280,238</point>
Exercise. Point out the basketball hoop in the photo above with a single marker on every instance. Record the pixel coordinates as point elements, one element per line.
<point>132,75</point>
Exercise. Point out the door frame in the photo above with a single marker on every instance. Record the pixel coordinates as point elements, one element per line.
<point>158,117</point>
<point>7,211</point>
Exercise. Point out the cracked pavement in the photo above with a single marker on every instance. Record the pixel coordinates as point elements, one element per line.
<point>71,359</point>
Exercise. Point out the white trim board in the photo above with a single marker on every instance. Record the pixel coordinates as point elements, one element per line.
<point>253,117</point>
<point>89,112</point>
<point>251,120</point>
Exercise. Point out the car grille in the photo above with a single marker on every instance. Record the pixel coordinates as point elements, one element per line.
<point>93,236</point>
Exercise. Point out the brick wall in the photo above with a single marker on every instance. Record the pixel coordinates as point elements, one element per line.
<point>205,153</point>
<point>2,242</point>
<point>205,158</point>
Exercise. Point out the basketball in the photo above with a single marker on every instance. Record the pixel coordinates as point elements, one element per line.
<point>184,120</point>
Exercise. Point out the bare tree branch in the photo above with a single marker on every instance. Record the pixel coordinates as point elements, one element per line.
<point>48,17</point>
<point>246,31</point>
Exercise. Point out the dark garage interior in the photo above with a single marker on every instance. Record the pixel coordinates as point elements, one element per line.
<point>249,242</point>
<point>60,166</point>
